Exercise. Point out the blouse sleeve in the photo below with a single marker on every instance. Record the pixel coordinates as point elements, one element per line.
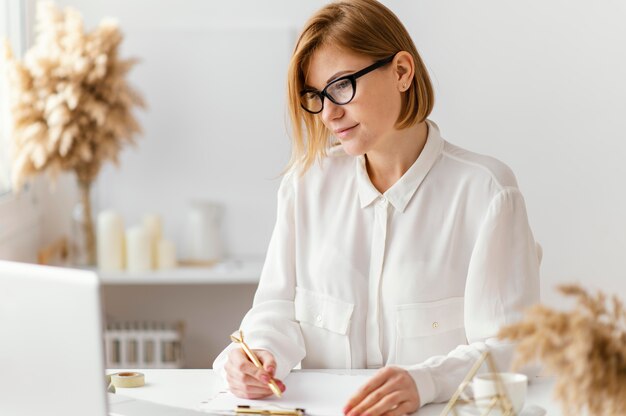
<point>502,280</point>
<point>271,324</point>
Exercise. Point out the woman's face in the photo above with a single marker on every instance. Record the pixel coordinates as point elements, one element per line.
<point>366,123</point>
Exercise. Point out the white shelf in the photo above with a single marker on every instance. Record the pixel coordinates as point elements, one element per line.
<point>228,272</point>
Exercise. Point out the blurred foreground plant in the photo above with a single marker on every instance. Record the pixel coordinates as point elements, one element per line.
<point>584,348</point>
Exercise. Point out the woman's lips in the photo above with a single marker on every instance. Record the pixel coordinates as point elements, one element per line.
<point>342,133</point>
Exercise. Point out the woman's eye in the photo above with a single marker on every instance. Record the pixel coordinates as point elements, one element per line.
<point>312,97</point>
<point>342,85</point>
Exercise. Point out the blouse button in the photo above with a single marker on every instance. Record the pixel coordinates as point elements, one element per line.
<point>318,318</point>
<point>435,324</point>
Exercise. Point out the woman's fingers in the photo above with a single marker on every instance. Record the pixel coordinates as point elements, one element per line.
<point>391,391</point>
<point>245,379</point>
<point>403,409</point>
<point>388,403</point>
<point>240,379</point>
<point>269,366</point>
<point>268,361</point>
<point>378,396</point>
<point>238,362</point>
<point>248,387</point>
<point>372,384</point>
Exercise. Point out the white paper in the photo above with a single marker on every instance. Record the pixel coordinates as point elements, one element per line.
<point>319,394</point>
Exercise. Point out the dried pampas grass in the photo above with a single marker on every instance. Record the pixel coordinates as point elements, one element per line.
<point>584,348</point>
<point>69,99</point>
<point>71,107</point>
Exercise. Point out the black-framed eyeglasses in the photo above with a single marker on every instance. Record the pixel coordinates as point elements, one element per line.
<point>340,91</point>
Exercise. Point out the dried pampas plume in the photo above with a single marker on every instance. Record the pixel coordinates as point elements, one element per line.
<point>71,107</point>
<point>584,348</point>
<point>70,103</point>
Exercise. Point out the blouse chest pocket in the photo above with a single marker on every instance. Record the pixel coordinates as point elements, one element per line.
<point>325,323</point>
<point>427,329</point>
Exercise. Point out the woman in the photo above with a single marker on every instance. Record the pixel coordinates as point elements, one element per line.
<point>398,250</point>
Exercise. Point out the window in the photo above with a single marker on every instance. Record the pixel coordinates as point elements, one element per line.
<point>12,27</point>
<point>19,213</point>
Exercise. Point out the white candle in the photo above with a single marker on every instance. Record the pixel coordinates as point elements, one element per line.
<point>138,249</point>
<point>202,235</point>
<point>153,224</point>
<point>110,241</point>
<point>166,258</point>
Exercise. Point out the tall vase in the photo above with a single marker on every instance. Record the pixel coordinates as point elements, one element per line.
<point>83,234</point>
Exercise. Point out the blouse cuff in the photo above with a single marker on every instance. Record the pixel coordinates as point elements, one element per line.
<point>425,384</point>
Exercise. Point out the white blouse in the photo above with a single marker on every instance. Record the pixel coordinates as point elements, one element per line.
<point>422,276</point>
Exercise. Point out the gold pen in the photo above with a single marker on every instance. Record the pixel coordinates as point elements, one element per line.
<point>259,411</point>
<point>239,340</point>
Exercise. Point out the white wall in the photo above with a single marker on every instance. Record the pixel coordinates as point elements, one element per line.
<point>540,85</point>
<point>537,84</point>
<point>213,75</point>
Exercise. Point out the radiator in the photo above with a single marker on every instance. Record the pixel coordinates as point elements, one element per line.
<point>143,345</point>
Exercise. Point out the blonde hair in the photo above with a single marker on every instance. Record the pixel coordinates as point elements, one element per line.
<point>365,27</point>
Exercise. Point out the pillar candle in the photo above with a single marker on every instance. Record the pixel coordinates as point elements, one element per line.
<point>110,241</point>
<point>138,249</point>
<point>166,258</point>
<point>153,224</point>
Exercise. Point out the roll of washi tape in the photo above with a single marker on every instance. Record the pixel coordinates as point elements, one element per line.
<point>127,379</point>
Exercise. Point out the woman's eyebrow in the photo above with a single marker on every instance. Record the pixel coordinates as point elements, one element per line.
<point>338,74</point>
<point>332,78</point>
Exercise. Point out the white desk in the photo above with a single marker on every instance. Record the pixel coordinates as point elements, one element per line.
<point>188,388</point>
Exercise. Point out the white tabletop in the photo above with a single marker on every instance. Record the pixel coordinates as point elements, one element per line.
<point>189,388</point>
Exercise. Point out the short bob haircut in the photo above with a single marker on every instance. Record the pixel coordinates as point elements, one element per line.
<point>365,27</point>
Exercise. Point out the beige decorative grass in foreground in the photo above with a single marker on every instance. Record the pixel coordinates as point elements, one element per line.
<point>585,349</point>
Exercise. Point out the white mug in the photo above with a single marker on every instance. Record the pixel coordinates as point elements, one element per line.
<point>515,385</point>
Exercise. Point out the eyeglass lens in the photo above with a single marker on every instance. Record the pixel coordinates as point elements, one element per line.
<point>340,92</point>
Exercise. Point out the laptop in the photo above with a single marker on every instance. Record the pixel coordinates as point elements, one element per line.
<point>52,349</point>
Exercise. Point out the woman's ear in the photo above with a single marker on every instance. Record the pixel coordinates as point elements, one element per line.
<point>404,69</point>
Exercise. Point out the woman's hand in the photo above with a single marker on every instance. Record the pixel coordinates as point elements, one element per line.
<point>247,381</point>
<point>391,392</point>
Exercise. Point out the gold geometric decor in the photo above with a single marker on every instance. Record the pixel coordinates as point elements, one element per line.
<point>463,403</point>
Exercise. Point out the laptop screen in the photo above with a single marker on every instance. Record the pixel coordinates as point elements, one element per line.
<point>51,345</point>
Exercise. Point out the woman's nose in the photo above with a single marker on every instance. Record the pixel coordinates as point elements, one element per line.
<point>331,111</point>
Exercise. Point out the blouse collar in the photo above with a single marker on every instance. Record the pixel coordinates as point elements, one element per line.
<point>403,190</point>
